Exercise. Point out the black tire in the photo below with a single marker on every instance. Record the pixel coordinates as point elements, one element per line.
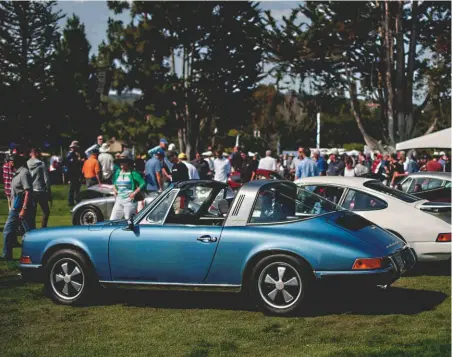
<point>69,278</point>
<point>87,215</point>
<point>268,287</point>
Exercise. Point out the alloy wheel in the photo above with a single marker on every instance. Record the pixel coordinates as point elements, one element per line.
<point>280,285</point>
<point>67,279</point>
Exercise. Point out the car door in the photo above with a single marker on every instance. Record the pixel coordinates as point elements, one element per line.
<point>173,243</point>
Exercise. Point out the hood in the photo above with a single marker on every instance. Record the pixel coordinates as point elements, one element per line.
<point>33,164</point>
<point>368,231</point>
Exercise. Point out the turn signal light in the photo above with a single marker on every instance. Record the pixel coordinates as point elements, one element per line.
<point>367,263</point>
<point>25,259</point>
<point>443,237</point>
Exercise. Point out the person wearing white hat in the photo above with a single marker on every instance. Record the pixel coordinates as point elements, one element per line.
<point>208,157</point>
<point>106,162</point>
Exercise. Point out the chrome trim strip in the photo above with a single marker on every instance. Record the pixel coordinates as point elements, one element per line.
<point>31,266</point>
<point>320,274</point>
<point>172,286</point>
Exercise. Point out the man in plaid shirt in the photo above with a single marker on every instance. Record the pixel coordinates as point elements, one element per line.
<point>8,174</point>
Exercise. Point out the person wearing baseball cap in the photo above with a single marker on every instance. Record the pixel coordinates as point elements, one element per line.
<point>153,171</point>
<point>163,145</point>
<point>192,172</point>
<point>180,170</point>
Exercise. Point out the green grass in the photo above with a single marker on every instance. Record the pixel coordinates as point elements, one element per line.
<point>412,319</point>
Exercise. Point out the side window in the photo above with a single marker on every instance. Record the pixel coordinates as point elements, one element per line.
<point>331,193</point>
<point>406,185</point>
<point>158,214</point>
<point>187,205</point>
<point>360,201</point>
<point>274,206</point>
<point>434,183</point>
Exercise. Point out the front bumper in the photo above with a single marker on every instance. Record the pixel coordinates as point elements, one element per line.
<point>400,262</point>
<point>32,272</point>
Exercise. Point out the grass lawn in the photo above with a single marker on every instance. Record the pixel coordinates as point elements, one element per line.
<point>412,319</point>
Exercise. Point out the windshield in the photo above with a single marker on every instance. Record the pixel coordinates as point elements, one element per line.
<point>379,187</point>
<point>287,202</point>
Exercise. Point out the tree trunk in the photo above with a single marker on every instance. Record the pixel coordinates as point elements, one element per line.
<point>389,68</point>
<point>400,74</point>
<point>409,120</point>
<point>371,142</point>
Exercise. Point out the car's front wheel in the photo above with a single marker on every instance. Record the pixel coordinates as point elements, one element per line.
<point>69,277</point>
<point>279,284</point>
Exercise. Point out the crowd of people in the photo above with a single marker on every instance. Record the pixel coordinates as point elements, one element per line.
<point>28,181</point>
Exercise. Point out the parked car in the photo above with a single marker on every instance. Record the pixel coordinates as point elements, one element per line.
<point>97,204</point>
<point>235,181</point>
<point>432,186</point>
<point>98,201</point>
<point>274,241</point>
<point>424,225</point>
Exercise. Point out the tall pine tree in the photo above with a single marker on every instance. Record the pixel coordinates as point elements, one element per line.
<point>28,35</point>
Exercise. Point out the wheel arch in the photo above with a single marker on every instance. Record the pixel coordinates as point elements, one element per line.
<point>60,246</point>
<point>266,253</point>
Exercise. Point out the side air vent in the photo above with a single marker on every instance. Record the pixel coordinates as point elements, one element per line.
<point>236,210</point>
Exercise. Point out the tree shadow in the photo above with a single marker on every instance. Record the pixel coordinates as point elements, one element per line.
<point>324,301</point>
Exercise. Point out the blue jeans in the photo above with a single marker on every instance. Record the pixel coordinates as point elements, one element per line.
<point>10,230</point>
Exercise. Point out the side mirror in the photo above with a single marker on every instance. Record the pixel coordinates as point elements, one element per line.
<point>130,224</point>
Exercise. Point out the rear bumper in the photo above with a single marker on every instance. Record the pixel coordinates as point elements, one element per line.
<point>358,278</point>
<point>432,251</point>
<point>400,262</point>
<point>31,272</point>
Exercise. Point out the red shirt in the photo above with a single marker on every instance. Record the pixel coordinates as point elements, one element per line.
<point>8,174</point>
<point>433,165</point>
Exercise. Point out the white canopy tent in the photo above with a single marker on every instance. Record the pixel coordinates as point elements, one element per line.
<point>437,140</point>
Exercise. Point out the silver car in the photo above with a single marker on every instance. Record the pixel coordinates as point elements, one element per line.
<point>98,201</point>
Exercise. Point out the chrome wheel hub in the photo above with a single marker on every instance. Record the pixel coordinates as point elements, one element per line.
<point>67,279</point>
<point>280,285</point>
<point>88,217</point>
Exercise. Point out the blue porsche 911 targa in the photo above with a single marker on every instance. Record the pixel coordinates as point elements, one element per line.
<point>273,240</point>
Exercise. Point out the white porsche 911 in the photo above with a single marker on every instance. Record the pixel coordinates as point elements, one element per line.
<point>424,225</point>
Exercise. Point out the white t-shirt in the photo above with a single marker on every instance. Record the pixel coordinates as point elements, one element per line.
<point>106,162</point>
<point>349,172</point>
<point>192,172</point>
<point>222,169</point>
<point>267,163</point>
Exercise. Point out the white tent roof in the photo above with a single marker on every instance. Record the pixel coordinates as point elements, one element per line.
<point>438,140</point>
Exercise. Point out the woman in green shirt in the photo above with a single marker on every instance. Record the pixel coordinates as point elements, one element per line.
<point>127,183</point>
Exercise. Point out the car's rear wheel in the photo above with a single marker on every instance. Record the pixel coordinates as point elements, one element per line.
<point>88,215</point>
<point>279,284</point>
<point>69,278</point>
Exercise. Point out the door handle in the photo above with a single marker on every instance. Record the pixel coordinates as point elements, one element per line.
<point>207,239</point>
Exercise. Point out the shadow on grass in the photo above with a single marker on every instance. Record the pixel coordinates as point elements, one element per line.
<point>442,268</point>
<point>325,301</point>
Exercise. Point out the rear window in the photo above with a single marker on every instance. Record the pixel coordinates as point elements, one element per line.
<point>379,187</point>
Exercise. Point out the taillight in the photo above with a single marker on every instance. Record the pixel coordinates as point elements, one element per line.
<point>25,259</point>
<point>443,237</point>
<point>368,263</point>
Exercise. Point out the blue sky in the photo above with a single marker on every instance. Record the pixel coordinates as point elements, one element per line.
<point>94,14</point>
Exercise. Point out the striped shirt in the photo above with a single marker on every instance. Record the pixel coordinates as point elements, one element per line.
<point>8,174</point>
